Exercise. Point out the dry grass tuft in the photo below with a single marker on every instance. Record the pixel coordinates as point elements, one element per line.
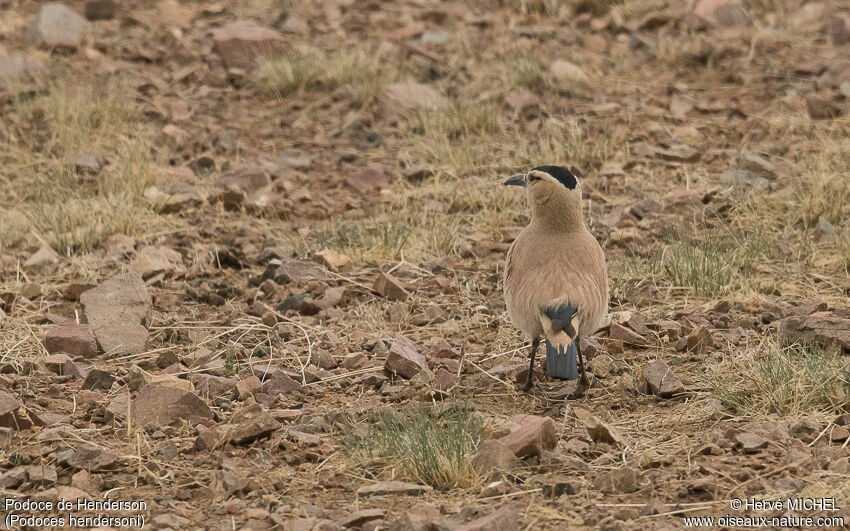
<point>363,241</point>
<point>844,248</point>
<point>418,445</point>
<point>301,70</point>
<point>72,211</point>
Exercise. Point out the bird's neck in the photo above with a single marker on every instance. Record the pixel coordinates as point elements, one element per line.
<point>555,217</point>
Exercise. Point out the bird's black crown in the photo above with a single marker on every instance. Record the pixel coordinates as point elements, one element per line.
<point>563,175</point>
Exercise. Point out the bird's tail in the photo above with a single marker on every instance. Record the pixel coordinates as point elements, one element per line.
<point>561,361</point>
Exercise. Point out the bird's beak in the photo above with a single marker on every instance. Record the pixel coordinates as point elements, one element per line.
<point>516,180</point>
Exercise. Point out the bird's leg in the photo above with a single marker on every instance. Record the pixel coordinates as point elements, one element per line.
<point>534,344</point>
<point>584,381</point>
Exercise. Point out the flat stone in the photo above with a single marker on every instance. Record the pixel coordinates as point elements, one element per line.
<point>359,518</point>
<point>626,335</point>
<point>44,258</point>
<point>751,442</point>
<point>819,327</point>
<point>838,434</point>
<point>100,9</point>
<point>154,260</point>
<point>724,13</point>
<point>279,383</point>
<point>17,66</point>
<point>393,487</point>
<point>366,180</point>
<point>331,259</point>
<point>248,387</point>
<point>116,310</point>
<point>410,95</point>
<point>56,26</point>
<point>91,458</point>
<point>209,386</point>
<point>160,406</point>
<point>299,270</point>
<point>567,72</point>
<point>679,153</point>
<point>505,518</point>
<point>241,43</point>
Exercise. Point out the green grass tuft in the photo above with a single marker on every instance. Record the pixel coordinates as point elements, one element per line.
<point>421,446</point>
<point>786,380</point>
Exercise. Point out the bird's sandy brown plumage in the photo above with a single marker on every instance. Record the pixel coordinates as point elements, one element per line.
<point>555,260</point>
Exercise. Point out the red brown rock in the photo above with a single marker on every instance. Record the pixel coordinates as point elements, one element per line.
<point>661,380</point>
<point>90,457</point>
<point>11,413</point>
<point>403,359</point>
<point>73,339</point>
<point>210,386</point>
<point>823,108</point>
<point>809,307</point>
<point>621,333</point>
<point>251,423</point>
<point>623,479</point>
<point>839,29</point>
<point>366,180</point>
<point>819,327</point>
<point>390,287</point>
<point>598,430</point>
<point>248,387</point>
<point>530,435</point>
<point>160,406</point>
<point>699,340</point>
<point>505,518</point>
<point>153,260</point>
<point>98,379</point>
<point>331,259</point>
<point>298,271</point>
<point>444,381</point>
<point>116,310</point>
<point>493,456</point>
<point>279,383</point>
<point>241,43</point>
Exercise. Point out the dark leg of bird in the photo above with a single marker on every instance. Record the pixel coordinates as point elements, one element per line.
<point>534,344</point>
<point>584,381</point>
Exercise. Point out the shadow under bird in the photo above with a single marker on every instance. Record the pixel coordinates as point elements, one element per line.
<point>555,283</point>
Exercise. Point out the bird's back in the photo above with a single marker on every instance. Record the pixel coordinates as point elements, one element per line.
<point>545,268</point>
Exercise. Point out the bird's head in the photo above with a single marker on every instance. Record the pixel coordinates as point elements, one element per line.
<point>554,195</point>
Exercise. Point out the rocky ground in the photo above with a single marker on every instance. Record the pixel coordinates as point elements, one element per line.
<point>250,260</point>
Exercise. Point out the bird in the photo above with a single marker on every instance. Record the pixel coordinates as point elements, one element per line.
<point>555,279</point>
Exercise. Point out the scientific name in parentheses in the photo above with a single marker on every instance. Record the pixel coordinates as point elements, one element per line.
<point>791,504</point>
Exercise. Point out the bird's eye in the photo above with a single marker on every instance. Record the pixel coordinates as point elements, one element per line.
<point>533,178</point>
